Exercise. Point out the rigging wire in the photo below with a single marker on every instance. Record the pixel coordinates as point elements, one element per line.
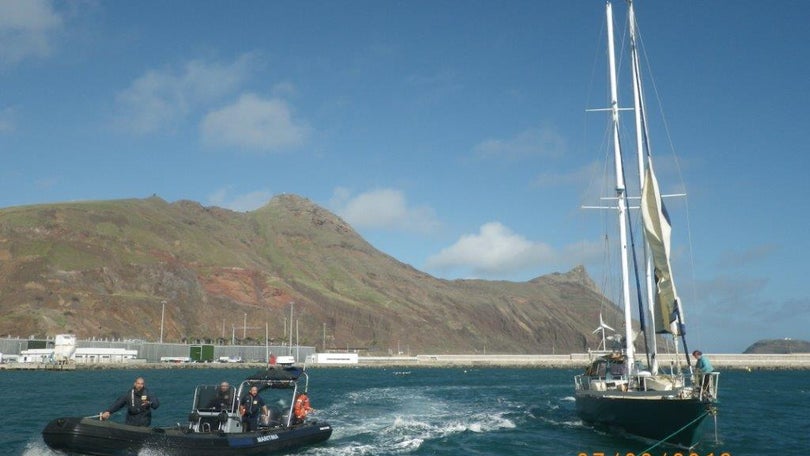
<point>640,301</point>
<point>677,162</point>
<point>599,186</point>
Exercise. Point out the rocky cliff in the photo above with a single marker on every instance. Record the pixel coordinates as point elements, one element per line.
<point>109,268</point>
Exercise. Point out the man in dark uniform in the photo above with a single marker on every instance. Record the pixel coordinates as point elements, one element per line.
<point>224,398</point>
<point>252,408</point>
<point>139,403</point>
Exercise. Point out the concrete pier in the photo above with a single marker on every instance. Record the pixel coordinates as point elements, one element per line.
<point>580,360</point>
<point>571,361</point>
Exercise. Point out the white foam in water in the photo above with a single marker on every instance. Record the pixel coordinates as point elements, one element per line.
<point>399,421</point>
<point>38,448</point>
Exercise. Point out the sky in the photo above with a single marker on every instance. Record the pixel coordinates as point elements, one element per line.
<point>454,136</point>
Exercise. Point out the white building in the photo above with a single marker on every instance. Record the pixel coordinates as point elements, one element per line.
<point>36,355</point>
<point>64,346</point>
<point>333,358</point>
<point>90,355</point>
<point>9,358</point>
<point>95,355</point>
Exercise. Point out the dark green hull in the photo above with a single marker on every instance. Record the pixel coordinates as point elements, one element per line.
<point>676,421</point>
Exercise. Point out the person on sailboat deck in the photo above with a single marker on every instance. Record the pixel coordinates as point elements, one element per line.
<point>704,366</point>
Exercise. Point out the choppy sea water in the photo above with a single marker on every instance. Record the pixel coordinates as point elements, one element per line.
<point>453,411</point>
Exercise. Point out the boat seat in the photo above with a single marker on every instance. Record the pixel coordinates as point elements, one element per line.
<point>209,424</point>
<point>205,421</point>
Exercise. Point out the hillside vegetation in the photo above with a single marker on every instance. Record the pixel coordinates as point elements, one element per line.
<point>105,269</point>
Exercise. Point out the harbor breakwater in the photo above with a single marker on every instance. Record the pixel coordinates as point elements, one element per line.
<point>578,360</point>
<point>570,361</point>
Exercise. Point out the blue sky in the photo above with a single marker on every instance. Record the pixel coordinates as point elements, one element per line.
<point>452,135</point>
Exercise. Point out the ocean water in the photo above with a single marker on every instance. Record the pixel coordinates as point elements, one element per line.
<point>407,411</point>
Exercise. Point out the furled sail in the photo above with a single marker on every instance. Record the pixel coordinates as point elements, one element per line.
<point>658,230</point>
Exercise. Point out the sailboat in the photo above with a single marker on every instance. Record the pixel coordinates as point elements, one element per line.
<point>625,390</point>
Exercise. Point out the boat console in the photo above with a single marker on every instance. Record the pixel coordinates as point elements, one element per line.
<point>210,414</point>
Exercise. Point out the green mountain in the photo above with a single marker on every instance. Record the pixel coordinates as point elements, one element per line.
<point>109,269</point>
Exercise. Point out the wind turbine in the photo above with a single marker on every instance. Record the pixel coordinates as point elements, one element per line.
<point>602,327</point>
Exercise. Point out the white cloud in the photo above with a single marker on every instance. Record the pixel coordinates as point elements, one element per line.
<point>255,123</point>
<point>242,203</point>
<point>383,209</point>
<point>26,29</point>
<point>161,99</point>
<point>544,142</point>
<point>494,251</point>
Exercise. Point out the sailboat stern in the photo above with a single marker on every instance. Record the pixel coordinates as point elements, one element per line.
<point>650,415</point>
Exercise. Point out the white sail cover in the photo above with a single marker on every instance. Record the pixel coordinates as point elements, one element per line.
<point>658,230</point>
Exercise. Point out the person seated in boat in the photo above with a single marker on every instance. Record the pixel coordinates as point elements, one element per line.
<point>703,366</point>
<point>224,398</point>
<point>301,408</point>
<point>139,403</point>
<point>252,408</point>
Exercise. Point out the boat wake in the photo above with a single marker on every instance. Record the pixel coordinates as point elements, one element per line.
<point>38,448</point>
<point>401,420</point>
<point>556,413</point>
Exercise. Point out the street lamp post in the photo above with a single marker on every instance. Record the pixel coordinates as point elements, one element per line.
<point>292,306</point>
<point>162,314</point>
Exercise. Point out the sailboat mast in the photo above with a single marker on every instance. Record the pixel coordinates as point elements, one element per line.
<point>620,189</point>
<point>642,151</point>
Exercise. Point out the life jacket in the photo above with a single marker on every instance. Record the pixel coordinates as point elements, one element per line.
<point>135,402</point>
<point>249,406</point>
<point>302,406</point>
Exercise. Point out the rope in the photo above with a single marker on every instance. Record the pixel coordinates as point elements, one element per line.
<point>679,430</point>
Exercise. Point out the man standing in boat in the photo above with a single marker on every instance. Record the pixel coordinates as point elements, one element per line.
<point>139,403</point>
<point>252,408</point>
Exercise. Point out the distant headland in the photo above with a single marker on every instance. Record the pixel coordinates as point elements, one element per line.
<point>779,346</point>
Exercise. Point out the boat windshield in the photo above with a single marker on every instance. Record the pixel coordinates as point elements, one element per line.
<point>613,367</point>
<point>211,398</point>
